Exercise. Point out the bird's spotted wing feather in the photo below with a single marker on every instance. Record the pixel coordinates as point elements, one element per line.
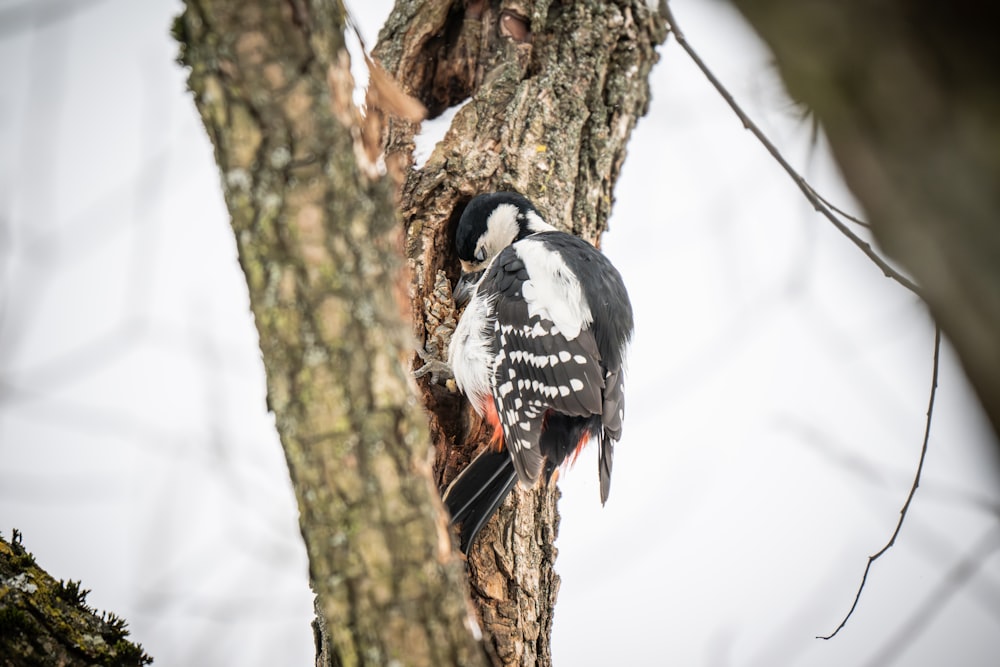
<point>537,368</point>
<point>611,419</point>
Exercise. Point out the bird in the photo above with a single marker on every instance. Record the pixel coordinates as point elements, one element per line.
<point>539,351</point>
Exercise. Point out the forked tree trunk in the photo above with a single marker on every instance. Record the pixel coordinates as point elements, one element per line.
<point>555,89</point>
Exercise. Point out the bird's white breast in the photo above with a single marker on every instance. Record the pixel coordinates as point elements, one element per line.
<point>469,352</point>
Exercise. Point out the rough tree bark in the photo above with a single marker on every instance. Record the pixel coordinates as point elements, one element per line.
<point>48,622</point>
<point>551,93</point>
<point>908,92</point>
<point>554,90</point>
<point>319,242</point>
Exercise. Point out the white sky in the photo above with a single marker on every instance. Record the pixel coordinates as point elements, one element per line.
<point>777,385</point>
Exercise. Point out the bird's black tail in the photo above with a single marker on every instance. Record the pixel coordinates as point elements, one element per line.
<point>478,491</point>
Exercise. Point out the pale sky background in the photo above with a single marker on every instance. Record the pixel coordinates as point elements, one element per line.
<point>777,387</point>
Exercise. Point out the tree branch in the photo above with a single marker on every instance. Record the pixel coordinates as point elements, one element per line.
<point>909,497</point>
<point>44,621</point>
<point>905,92</point>
<point>819,203</point>
<point>960,574</point>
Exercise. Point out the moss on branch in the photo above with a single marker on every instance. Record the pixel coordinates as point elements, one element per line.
<point>48,622</point>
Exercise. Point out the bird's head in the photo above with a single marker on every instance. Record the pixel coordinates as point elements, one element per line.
<point>490,223</point>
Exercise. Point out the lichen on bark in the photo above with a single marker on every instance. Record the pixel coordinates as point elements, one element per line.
<point>48,622</point>
<point>320,244</point>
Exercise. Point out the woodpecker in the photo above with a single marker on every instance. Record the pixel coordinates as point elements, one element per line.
<point>539,351</point>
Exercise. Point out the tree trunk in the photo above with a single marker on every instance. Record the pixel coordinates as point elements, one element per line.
<point>555,90</point>
<point>552,91</point>
<point>320,244</point>
<point>48,622</point>
<point>908,92</point>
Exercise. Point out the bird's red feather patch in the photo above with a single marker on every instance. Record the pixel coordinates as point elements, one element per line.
<point>584,439</point>
<point>493,419</point>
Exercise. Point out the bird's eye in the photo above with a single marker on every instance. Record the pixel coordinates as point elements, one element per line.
<point>481,254</point>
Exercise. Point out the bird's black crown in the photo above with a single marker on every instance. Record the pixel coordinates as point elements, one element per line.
<point>472,224</point>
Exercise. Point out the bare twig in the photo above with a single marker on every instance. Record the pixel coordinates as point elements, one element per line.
<point>968,566</point>
<point>913,489</point>
<point>807,190</point>
<point>960,573</point>
<point>840,211</point>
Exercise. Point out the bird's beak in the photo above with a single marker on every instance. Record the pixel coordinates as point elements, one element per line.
<point>465,287</point>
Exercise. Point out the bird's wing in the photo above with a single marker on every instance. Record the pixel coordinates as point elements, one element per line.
<point>537,368</point>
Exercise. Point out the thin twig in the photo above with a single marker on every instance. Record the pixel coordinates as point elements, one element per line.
<point>913,489</point>
<point>855,220</point>
<point>804,186</point>
<point>827,209</point>
<point>959,575</point>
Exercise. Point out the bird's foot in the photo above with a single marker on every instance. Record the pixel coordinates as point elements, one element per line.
<point>439,371</point>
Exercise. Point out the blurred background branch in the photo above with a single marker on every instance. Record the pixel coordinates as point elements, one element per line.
<point>906,93</point>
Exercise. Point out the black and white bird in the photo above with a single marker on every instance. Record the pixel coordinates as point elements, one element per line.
<point>539,351</point>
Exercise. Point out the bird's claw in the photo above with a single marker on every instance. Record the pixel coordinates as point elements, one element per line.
<point>437,369</point>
